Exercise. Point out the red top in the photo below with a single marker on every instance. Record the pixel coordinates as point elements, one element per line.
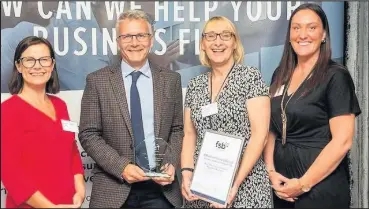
<point>36,153</point>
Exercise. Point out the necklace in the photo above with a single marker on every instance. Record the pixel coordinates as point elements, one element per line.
<point>283,109</point>
<point>221,88</point>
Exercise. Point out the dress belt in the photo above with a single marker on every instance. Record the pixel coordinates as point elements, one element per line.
<point>311,142</point>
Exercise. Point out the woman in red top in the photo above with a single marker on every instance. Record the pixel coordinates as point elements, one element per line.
<point>40,162</point>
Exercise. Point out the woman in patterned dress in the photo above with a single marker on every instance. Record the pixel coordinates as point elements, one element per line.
<point>243,110</point>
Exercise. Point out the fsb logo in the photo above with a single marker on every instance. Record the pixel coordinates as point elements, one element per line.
<point>221,145</point>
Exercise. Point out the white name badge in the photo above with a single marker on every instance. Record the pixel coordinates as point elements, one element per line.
<point>279,92</point>
<point>209,109</point>
<point>69,126</point>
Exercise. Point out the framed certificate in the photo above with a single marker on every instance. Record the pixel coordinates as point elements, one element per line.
<point>216,166</point>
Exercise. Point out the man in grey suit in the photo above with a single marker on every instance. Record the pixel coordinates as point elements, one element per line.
<point>123,105</point>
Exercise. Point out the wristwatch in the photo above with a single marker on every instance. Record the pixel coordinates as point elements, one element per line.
<point>187,169</point>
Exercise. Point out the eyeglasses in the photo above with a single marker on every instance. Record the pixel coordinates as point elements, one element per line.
<point>212,36</point>
<point>140,37</point>
<point>30,62</point>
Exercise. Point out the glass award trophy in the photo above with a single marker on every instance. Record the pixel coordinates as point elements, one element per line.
<point>154,157</point>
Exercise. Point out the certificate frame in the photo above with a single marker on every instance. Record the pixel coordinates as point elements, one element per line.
<point>207,196</point>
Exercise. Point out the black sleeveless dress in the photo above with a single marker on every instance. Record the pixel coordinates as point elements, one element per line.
<point>308,133</point>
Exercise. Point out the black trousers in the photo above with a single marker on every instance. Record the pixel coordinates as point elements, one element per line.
<point>146,194</point>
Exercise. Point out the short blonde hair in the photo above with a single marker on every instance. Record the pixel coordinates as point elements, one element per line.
<point>136,15</point>
<point>238,53</point>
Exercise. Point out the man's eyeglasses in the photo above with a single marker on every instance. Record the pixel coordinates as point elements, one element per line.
<point>212,36</point>
<point>30,62</point>
<point>140,37</point>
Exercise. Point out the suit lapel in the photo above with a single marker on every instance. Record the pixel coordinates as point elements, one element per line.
<point>158,85</point>
<point>117,84</point>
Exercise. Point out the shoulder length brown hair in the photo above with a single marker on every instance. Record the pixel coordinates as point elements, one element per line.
<point>288,61</point>
<point>16,82</point>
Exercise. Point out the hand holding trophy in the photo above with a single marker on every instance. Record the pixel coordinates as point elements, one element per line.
<point>154,157</point>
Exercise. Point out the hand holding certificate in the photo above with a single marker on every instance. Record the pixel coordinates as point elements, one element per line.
<point>216,167</point>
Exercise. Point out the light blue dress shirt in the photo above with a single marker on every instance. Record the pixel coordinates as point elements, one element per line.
<point>146,91</point>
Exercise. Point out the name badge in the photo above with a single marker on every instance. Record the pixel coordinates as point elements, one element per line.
<point>279,92</point>
<point>209,109</point>
<point>69,126</point>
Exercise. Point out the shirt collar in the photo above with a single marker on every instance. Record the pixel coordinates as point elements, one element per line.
<point>127,69</point>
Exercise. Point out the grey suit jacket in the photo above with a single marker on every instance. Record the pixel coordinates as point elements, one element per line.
<point>105,131</point>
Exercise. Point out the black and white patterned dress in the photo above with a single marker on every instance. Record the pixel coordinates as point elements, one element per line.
<point>232,118</point>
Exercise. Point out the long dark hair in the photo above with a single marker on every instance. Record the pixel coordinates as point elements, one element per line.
<point>289,58</point>
<point>16,82</point>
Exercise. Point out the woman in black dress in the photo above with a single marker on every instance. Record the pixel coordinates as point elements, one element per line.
<point>313,118</point>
